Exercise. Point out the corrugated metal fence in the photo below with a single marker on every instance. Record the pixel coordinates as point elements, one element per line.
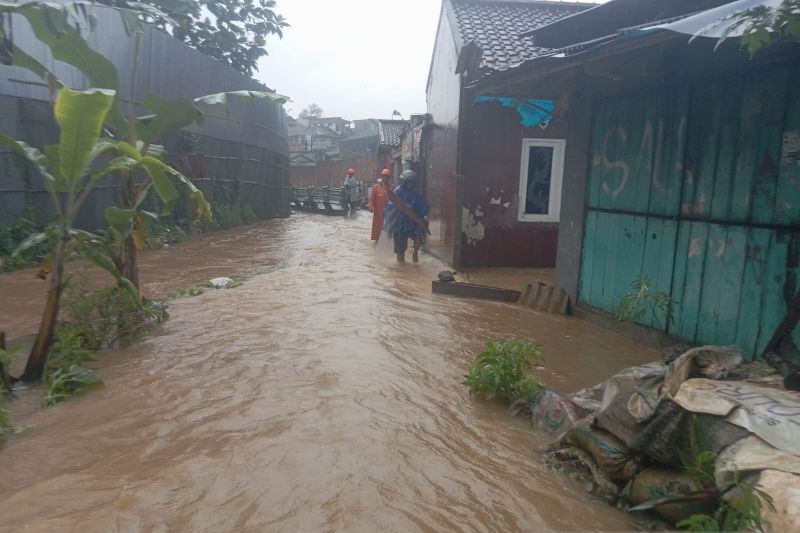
<point>240,154</point>
<point>698,188</point>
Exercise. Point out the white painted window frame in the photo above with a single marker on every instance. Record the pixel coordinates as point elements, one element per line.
<point>556,177</point>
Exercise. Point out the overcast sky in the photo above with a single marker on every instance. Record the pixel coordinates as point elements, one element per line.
<point>354,58</point>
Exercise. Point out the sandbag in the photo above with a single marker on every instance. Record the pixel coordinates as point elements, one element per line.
<point>654,483</point>
<point>554,413</point>
<point>615,460</point>
<point>751,454</point>
<point>667,438</point>
<point>784,488</point>
<point>614,415</point>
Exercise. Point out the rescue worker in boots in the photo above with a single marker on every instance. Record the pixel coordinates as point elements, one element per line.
<point>377,202</point>
<point>351,191</point>
<point>403,226</point>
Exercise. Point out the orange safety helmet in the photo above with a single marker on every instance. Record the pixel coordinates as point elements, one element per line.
<point>386,172</point>
<point>351,171</point>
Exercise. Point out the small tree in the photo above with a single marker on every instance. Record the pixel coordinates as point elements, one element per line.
<point>235,33</point>
<point>311,111</point>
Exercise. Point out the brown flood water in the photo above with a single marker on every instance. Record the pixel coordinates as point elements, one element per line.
<point>322,395</point>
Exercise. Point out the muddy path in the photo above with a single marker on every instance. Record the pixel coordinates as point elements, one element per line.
<point>324,394</point>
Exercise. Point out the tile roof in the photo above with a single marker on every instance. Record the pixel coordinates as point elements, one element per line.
<point>495,26</point>
<point>392,131</point>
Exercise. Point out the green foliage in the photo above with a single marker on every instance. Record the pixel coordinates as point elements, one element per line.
<point>642,302</point>
<point>65,374</point>
<point>741,513</point>
<point>227,216</point>
<point>12,236</point>
<point>501,370</point>
<point>5,424</point>
<point>95,319</point>
<point>102,317</point>
<point>194,290</point>
<point>235,34</point>
<point>762,25</point>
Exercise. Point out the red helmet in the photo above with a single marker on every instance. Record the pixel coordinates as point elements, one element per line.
<point>386,172</point>
<point>351,171</point>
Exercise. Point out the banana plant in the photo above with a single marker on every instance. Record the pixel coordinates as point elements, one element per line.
<point>71,170</point>
<point>57,25</point>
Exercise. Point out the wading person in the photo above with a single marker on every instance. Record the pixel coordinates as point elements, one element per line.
<point>377,202</point>
<point>403,225</point>
<point>351,191</point>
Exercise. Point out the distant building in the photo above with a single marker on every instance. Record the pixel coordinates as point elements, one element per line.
<point>336,124</point>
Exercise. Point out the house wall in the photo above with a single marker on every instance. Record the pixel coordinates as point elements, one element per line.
<point>697,187</point>
<point>441,169</point>
<point>492,234</point>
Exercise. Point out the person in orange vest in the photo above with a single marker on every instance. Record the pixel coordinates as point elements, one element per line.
<point>377,202</point>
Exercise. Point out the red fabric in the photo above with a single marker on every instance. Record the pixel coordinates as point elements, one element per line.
<point>377,203</point>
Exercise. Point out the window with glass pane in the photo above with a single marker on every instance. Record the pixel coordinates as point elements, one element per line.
<point>540,172</point>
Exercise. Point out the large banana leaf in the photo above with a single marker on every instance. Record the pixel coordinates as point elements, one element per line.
<point>80,115</point>
<point>56,24</point>
<point>89,249</point>
<point>163,185</point>
<point>33,155</point>
<point>201,206</point>
<point>169,116</point>
<point>224,99</point>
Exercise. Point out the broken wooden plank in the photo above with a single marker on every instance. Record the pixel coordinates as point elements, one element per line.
<point>470,290</point>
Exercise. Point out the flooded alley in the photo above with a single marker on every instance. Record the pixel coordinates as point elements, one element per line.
<point>324,394</point>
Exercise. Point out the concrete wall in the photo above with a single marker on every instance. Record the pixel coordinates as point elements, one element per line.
<point>441,146</point>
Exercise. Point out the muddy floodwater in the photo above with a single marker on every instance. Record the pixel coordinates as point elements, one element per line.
<point>324,394</point>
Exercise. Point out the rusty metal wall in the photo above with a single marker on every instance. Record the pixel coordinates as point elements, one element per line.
<point>243,148</point>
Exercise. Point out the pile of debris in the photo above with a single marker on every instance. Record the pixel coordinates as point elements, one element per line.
<point>646,436</point>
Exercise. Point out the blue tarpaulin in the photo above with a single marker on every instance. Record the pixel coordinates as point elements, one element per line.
<point>533,112</point>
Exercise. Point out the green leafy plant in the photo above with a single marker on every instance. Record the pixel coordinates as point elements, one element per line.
<point>742,513</point>
<point>65,374</point>
<point>500,371</point>
<point>11,238</point>
<point>643,301</point>
<point>102,317</point>
<point>760,26</point>
<point>739,513</point>
<point>6,355</point>
<point>194,290</point>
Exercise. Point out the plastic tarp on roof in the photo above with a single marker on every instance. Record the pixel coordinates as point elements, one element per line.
<point>532,111</point>
<point>715,23</point>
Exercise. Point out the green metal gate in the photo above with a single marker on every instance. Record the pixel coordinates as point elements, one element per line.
<point>698,188</point>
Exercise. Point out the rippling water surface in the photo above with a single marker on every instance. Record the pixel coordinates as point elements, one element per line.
<point>322,395</point>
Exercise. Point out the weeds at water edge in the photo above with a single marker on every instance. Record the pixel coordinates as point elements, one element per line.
<point>500,371</point>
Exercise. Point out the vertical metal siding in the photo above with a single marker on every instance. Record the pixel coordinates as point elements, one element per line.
<point>687,186</point>
<point>245,144</point>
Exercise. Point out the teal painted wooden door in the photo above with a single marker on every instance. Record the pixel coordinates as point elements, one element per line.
<point>698,189</point>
